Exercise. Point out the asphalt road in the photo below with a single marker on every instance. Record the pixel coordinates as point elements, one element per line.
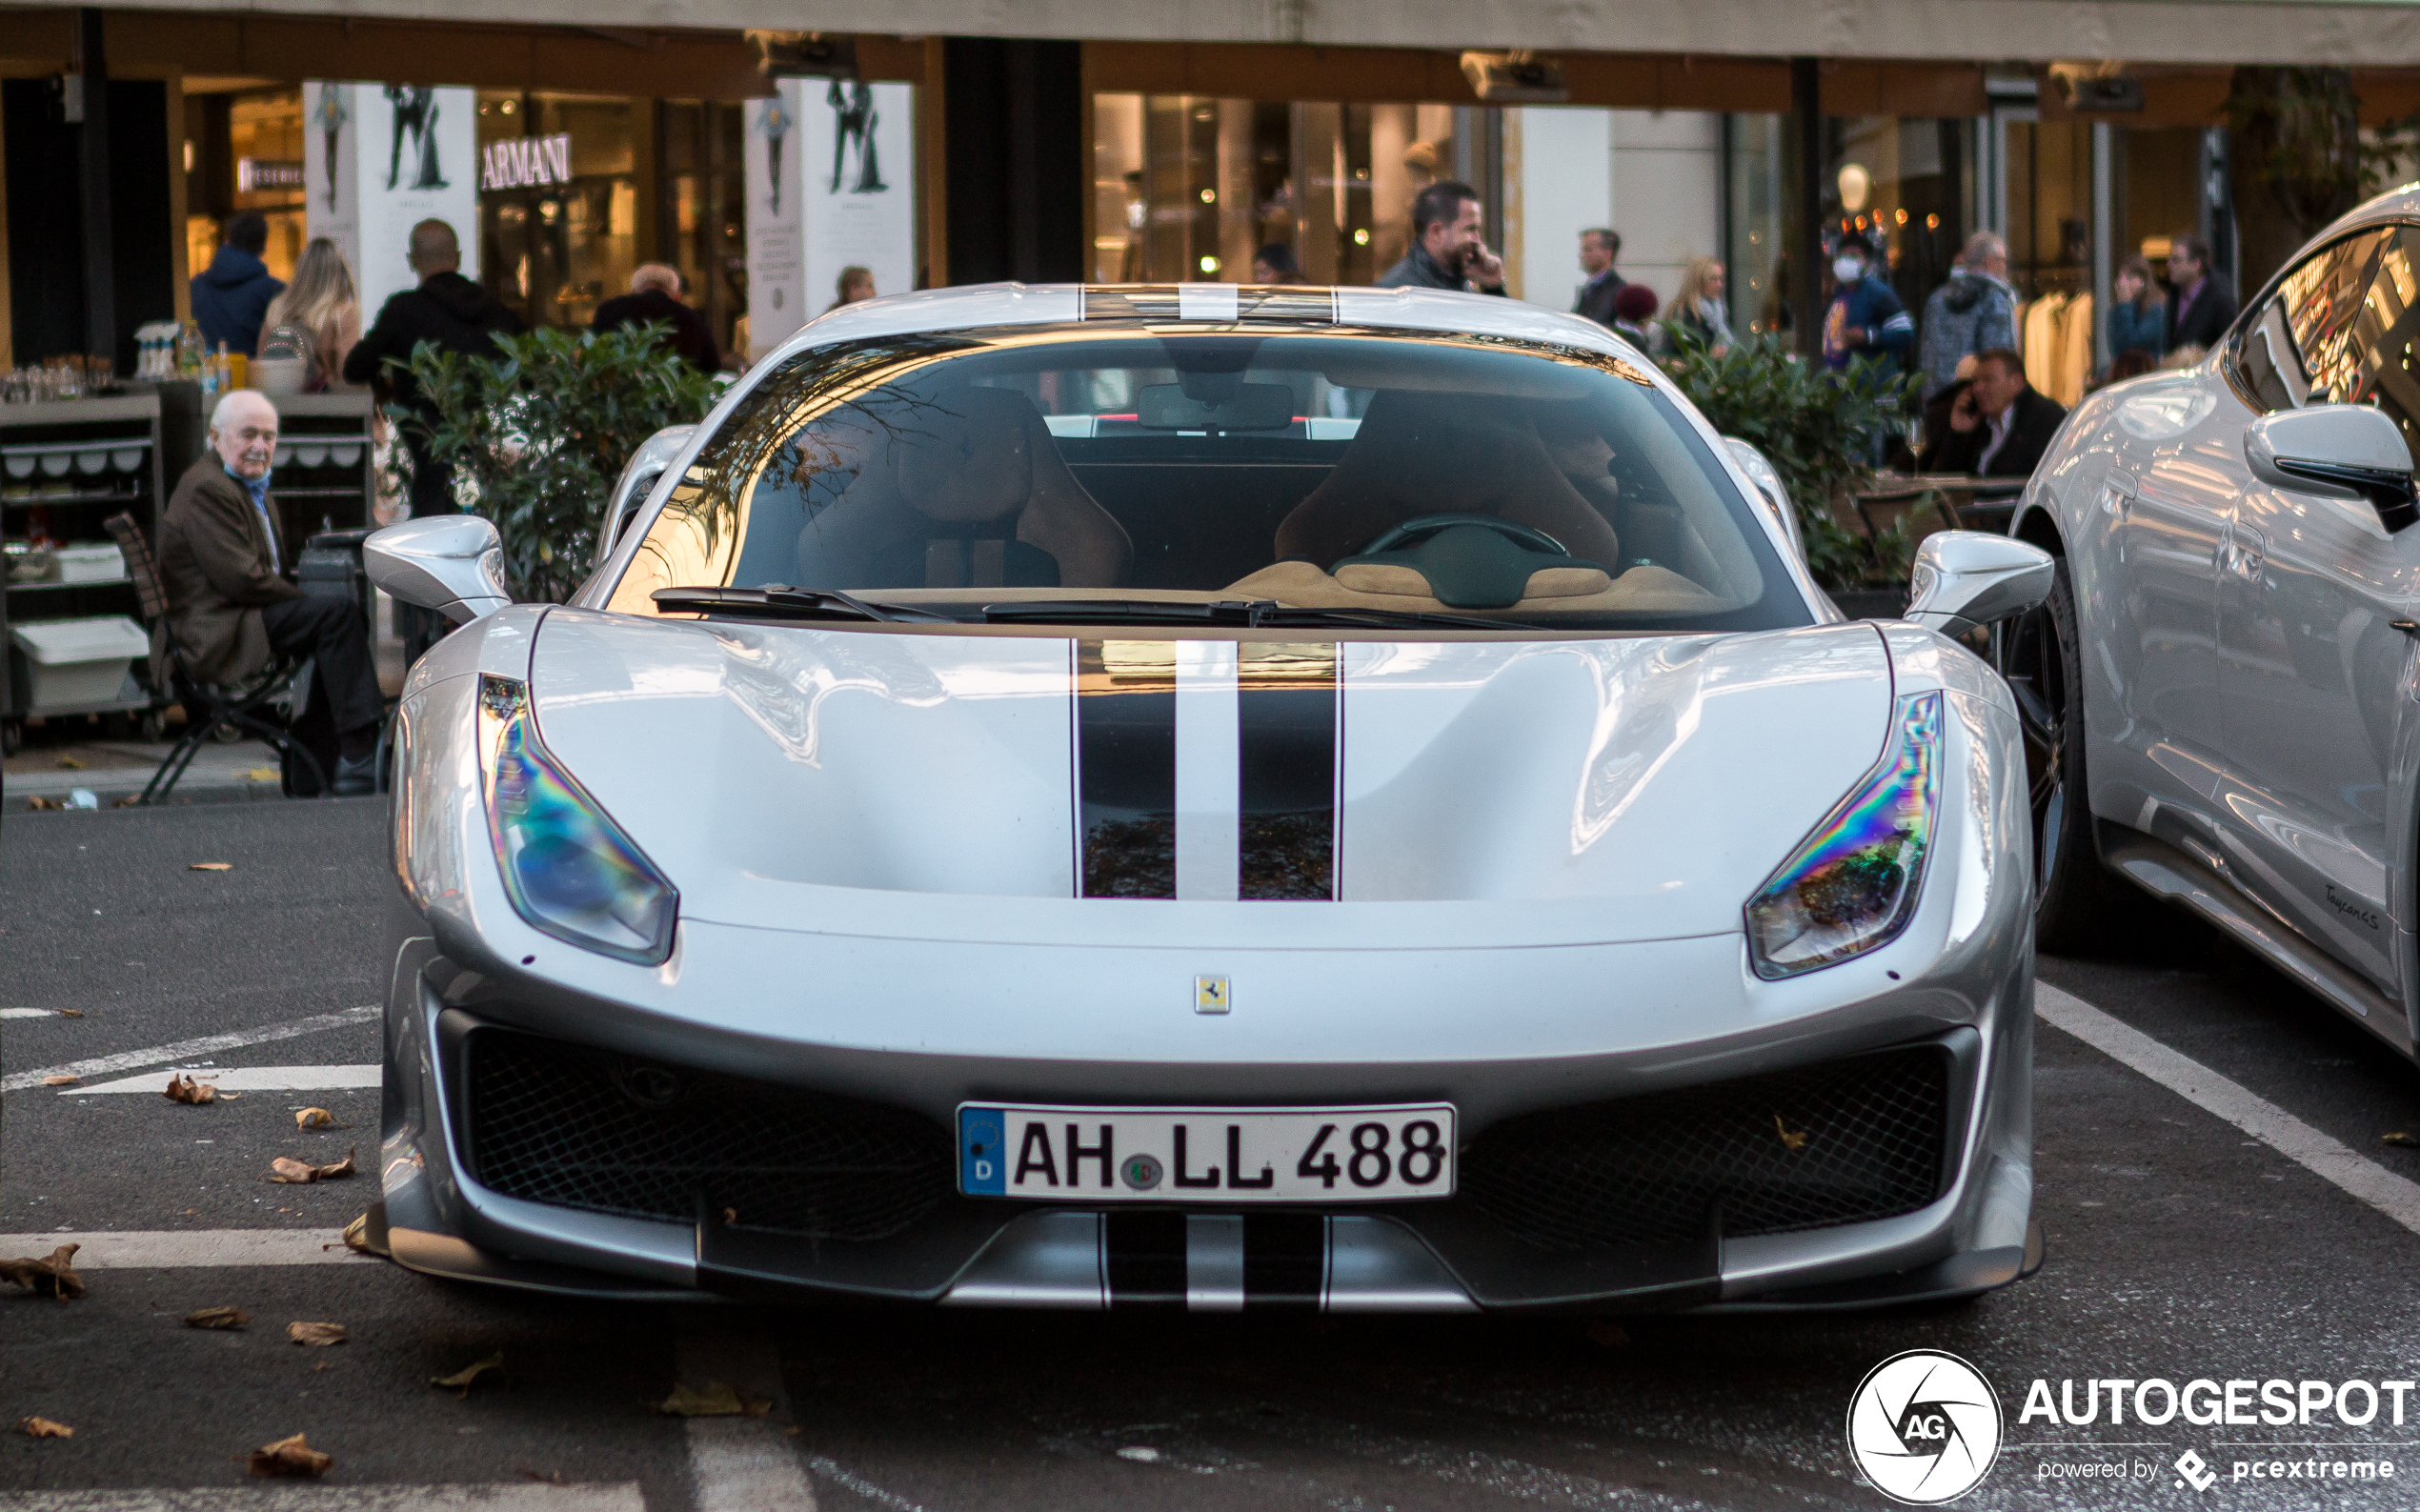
<point>2181,1246</point>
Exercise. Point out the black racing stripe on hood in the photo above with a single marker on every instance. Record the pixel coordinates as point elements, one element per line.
<point>1286,714</point>
<point>1125,769</point>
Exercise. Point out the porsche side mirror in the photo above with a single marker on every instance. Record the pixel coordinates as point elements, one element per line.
<point>2342,451</point>
<point>1768,478</point>
<point>1965,580</point>
<point>450,563</point>
<point>647,463</point>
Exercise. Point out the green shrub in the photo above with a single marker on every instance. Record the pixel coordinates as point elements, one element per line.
<point>537,434</point>
<point>1820,429</point>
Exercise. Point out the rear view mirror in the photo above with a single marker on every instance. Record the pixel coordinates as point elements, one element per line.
<point>450,563</point>
<point>1965,580</point>
<point>1252,407</point>
<point>2340,450</point>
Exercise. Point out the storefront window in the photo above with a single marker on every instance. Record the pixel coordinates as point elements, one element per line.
<point>703,184</point>
<point>263,172</point>
<point>559,228</point>
<point>1189,188</point>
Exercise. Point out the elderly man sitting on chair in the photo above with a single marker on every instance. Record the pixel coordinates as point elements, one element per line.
<point>222,565</point>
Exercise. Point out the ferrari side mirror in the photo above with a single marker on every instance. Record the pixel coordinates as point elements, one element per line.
<point>450,563</point>
<point>1965,580</point>
<point>1768,478</point>
<point>2340,450</point>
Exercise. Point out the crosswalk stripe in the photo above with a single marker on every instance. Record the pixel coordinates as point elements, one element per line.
<point>29,1012</point>
<point>742,1465</point>
<point>190,1249</point>
<point>187,1049</point>
<point>246,1078</point>
<point>616,1497</point>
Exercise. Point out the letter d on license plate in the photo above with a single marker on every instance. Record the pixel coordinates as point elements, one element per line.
<point>1206,1155</point>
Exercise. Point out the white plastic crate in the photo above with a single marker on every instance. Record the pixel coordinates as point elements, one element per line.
<point>99,563</point>
<point>77,661</point>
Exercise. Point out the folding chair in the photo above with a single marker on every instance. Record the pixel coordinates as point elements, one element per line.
<point>260,705</point>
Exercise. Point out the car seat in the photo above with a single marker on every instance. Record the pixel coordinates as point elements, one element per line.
<point>1430,454</point>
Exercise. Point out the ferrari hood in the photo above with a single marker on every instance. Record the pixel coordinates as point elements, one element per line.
<point>793,777</point>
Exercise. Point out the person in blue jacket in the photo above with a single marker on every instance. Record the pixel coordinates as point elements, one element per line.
<point>232,293</point>
<point>1865,319</point>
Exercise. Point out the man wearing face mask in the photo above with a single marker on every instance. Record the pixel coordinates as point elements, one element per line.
<point>1865,321</point>
<point>222,560</point>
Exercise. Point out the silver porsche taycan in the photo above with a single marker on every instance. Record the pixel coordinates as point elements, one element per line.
<point>2221,695</point>
<point>1211,797</point>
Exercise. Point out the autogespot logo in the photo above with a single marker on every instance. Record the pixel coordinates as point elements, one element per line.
<point>1923,1426</point>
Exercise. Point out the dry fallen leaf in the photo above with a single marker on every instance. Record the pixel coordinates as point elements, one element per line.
<point>1789,1141</point>
<point>2407,1141</point>
<point>38,801</point>
<point>210,866</point>
<point>218,1318</point>
<point>357,1239</point>
<point>45,1428</point>
<point>130,800</point>
<point>61,1082</point>
<point>290,1457</point>
<point>70,1013</point>
<point>70,763</point>
<point>315,1119</point>
<point>317,1333</point>
<point>720,1400</point>
<point>263,774</point>
<point>461,1379</point>
<point>292,1172</point>
<point>55,1274</point>
<point>182,1088</point>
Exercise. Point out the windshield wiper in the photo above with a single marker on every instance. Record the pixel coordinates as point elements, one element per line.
<point>1251,614</point>
<point>781,601</point>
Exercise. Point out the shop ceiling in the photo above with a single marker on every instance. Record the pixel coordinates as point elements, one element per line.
<point>422,42</point>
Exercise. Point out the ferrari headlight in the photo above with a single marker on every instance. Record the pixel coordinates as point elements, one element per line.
<point>1852,884</point>
<point>568,867</point>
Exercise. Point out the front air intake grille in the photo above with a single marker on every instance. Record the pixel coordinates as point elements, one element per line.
<point>1836,1144</point>
<point>574,1127</point>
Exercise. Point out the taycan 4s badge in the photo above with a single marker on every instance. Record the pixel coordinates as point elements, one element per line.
<point>1925,1427</point>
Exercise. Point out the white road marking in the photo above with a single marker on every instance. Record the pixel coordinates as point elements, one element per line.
<point>173,1249</point>
<point>187,1049</point>
<point>859,1486</point>
<point>2323,1155</point>
<point>742,1465</point>
<point>511,1497</point>
<point>29,1012</point>
<point>246,1078</point>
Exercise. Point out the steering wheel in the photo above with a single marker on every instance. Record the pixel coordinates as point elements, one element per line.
<point>1528,537</point>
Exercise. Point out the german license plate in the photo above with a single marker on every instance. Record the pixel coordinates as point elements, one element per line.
<point>1227,1156</point>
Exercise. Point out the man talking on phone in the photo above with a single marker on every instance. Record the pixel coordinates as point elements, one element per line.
<point>1999,426</point>
<point>1448,251</point>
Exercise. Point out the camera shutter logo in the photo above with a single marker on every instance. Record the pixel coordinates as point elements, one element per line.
<point>1925,1427</point>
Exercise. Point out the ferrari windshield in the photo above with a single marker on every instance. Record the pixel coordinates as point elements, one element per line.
<point>1110,471</point>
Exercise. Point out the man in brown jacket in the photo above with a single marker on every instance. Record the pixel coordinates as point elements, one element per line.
<point>222,564</point>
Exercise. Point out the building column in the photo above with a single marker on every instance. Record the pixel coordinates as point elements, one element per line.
<point>89,111</point>
<point>1807,208</point>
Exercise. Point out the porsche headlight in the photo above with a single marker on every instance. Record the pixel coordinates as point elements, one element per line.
<point>568,867</point>
<point>1852,884</point>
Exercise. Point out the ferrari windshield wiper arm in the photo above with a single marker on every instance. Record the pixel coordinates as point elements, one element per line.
<point>780,601</point>
<point>1251,614</point>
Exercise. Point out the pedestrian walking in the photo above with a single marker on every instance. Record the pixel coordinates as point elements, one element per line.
<point>446,311</point>
<point>1634,317</point>
<point>1699,308</point>
<point>655,298</point>
<point>1274,264</point>
<point>853,285</point>
<point>1599,247</point>
<point>1974,313</point>
<point>321,304</point>
<point>1865,321</point>
<point>1448,249</point>
<point>2199,309</point>
<point>232,293</point>
<point>2138,313</point>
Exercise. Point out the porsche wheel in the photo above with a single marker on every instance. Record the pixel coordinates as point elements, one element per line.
<point>2075,899</point>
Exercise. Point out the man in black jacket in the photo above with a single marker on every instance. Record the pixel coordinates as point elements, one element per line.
<point>655,295</point>
<point>1999,427</point>
<point>1448,249</point>
<point>450,313</point>
<point>1599,247</point>
<point>2199,309</point>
